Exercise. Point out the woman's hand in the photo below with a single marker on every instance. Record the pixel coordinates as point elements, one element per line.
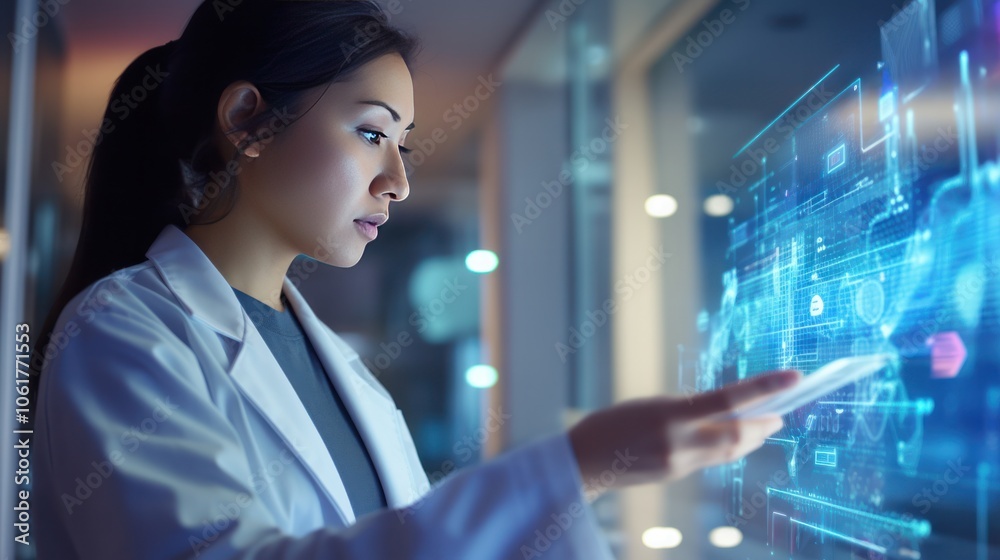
<point>666,438</point>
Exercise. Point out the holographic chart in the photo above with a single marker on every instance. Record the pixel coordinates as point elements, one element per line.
<point>875,228</point>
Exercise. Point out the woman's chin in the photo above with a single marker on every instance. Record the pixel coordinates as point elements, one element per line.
<point>344,260</point>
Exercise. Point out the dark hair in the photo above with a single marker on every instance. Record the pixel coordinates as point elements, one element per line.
<point>156,143</point>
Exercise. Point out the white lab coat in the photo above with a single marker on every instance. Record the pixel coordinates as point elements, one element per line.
<point>166,429</point>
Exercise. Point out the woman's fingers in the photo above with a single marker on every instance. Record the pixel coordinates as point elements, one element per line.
<point>735,395</point>
<point>674,436</point>
<point>728,440</point>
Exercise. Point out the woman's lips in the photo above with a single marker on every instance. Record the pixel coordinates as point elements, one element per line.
<point>367,229</point>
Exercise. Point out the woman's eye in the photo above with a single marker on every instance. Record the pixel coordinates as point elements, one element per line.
<point>373,136</point>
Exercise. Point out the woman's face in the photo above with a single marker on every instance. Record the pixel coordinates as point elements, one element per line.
<point>319,179</point>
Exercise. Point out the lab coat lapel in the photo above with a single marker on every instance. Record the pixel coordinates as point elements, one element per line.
<point>206,294</point>
<point>277,400</point>
<point>373,412</point>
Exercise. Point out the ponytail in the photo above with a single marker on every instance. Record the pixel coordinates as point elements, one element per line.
<point>130,188</point>
<point>133,177</point>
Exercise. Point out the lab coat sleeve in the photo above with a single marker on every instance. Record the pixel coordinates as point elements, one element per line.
<point>126,399</point>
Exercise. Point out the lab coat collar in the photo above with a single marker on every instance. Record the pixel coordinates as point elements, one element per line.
<point>198,285</point>
<point>206,295</point>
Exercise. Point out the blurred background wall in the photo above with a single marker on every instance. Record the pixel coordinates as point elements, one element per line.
<point>565,137</point>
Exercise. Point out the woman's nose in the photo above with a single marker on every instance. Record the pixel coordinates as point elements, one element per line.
<point>394,181</point>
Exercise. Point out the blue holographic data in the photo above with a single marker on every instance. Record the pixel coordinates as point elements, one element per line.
<point>875,227</point>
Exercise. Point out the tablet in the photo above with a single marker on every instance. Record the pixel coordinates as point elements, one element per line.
<point>814,386</point>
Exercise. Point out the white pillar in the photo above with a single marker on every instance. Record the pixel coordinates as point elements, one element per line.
<point>655,157</point>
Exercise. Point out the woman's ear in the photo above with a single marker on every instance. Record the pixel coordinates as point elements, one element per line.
<point>240,102</point>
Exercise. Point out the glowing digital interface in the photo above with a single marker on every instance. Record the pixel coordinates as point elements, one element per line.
<point>875,229</point>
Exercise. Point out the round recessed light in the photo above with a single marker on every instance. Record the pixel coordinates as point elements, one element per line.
<point>661,205</point>
<point>481,261</point>
<point>725,537</point>
<point>481,376</point>
<point>662,537</point>
<point>719,205</point>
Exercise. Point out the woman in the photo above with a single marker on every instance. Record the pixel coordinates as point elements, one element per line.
<point>167,426</point>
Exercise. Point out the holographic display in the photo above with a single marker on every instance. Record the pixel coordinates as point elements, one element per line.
<point>875,229</point>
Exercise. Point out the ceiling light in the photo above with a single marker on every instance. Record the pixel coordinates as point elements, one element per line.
<point>661,205</point>
<point>725,537</point>
<point>662,537</point>
<point>481,376</point>
<point>719,205</point>
<point>481,261</point>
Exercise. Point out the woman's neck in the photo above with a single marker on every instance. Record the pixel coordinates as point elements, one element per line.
<point>249,256</point>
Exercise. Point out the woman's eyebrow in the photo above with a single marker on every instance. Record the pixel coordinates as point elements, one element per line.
<point>395,115</point>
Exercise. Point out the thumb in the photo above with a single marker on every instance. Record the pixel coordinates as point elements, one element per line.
<point>735,395</point>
